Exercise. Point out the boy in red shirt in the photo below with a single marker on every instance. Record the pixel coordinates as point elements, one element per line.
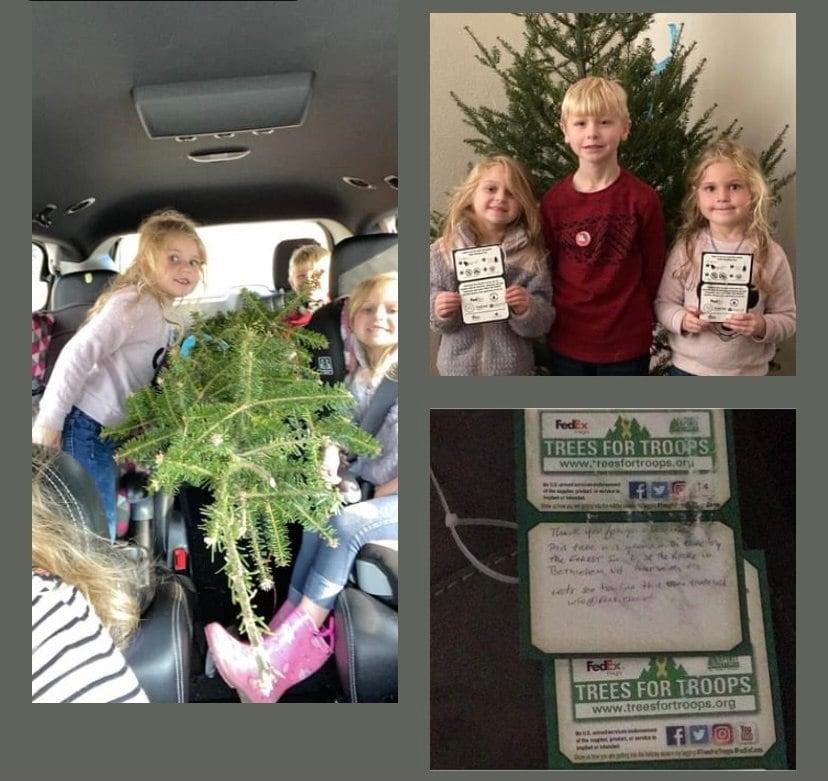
<point>604,229</point>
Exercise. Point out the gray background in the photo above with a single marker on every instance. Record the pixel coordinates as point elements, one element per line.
<point>392,741</point>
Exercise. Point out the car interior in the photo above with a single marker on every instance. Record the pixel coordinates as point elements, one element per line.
<point>241,115</point>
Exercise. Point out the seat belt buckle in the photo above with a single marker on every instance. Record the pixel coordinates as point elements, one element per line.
<point>180,560</point>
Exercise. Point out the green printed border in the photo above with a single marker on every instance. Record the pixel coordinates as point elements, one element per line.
<point>715,456</point>
<point>773,759</point>
<point>528,517</point>
<point>757,698</point>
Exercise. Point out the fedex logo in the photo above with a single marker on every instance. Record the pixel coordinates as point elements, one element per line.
<point>604,665</point>
<point>571,425</point>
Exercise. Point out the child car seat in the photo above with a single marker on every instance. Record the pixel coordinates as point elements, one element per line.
<point>366,611</point>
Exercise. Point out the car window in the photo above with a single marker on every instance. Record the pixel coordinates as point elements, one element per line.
<point>40,289</point>
<point>238,255</point>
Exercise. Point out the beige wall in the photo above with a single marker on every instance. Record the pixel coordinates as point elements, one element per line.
<point>750,73</point>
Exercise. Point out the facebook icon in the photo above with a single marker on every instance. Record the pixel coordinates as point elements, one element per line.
<point>676,736</point>
<point>638,490</point>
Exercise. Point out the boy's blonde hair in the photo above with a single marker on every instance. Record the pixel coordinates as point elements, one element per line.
<point>757,230</point>
<point>358,296</point>
<point>107,579</point>
<point>306,257</point>
<point>595,96</point>
<point>521,186</point>
<point>143,272</point>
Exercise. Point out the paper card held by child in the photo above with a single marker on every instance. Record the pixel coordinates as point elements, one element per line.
<point>725,284</point>
<point>481,284</point>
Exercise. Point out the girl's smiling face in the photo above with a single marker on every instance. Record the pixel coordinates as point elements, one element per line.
<point>724,197</point>
<point>179,267</point>
<point>375,322</point>
<point>494,206</point>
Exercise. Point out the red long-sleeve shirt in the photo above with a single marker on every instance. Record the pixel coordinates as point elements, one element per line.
<point>607,252</point>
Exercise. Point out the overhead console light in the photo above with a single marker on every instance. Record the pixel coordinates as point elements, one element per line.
<point>360,184</point>
<point>392,181</point>
<point>80,206</point>
<point>224,156</point>
<point>223,106</point>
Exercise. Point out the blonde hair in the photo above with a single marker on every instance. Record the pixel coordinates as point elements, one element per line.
<point>595,96</point>
<point>693,221</point>
<point>358,296</point>
<point>459,207</point>
<point>306,257</point>
<point>142,274</point>
<point>107,578</point>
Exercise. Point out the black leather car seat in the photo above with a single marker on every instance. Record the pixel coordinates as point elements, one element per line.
<point>160,651</point>
<point>366,611</point>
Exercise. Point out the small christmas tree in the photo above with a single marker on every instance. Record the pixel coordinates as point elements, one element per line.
<point>561,48</point>
<point>239,410</point>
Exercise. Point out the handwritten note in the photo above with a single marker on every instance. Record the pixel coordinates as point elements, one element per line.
<point>630,587</point>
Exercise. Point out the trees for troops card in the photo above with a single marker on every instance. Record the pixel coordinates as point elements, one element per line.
<point>649,560</point>
<point>481,284</point>
<point>724,287</point>
<point>672,711</point>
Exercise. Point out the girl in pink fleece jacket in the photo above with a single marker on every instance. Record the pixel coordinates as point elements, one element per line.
<point>726,213</point>
<point>119,348</point>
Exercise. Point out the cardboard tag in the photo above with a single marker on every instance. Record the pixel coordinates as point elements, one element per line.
<point>481,284</point>
<point>725,284</point>
<point>583,460</point>
<point>633,587</point>
<point>671,711</point>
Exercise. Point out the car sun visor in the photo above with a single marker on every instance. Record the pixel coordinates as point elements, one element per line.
<point>235,105</point>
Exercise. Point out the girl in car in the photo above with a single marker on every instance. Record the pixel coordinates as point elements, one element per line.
<point>493,207</point>
<point>119,349</point>
<point>302,629</point>
<point>84,609</point>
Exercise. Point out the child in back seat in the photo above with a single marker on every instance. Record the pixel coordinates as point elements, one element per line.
<point>302,638</point>
<point>119,348</point>
<point>310,265</point>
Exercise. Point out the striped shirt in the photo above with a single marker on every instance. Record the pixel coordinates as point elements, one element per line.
<point>73,656</point>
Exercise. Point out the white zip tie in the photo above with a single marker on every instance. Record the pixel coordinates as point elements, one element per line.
<point>452,522</point>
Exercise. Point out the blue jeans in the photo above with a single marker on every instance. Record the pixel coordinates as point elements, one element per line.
<point>82,440</point>
<point>321,572</point>
<point>572,367</point>
<point>672,371</point>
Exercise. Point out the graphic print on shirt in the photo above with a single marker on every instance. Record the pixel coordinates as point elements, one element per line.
<point>161,353</point>
<point>610,237</point>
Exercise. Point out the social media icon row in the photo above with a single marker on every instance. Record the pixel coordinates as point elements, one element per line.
<point>656,489</point>
<point>717,734</point>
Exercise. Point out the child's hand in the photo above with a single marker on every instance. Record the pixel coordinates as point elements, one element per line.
<point>748,324</point>
<point>446,304</point>
<point>518,299</point>
<point>48,437</point>
<point>692,323</point>
<point>330,465</point>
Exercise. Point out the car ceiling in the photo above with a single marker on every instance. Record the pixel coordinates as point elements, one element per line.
<point>87,139</point>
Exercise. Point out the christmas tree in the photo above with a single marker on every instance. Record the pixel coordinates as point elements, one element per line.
<point>238,410</point>
<point>561,48</point>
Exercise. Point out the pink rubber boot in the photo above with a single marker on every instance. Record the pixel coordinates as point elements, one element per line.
<point>281,614</point>
<point>295,651</point>
<point>237,665</point>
